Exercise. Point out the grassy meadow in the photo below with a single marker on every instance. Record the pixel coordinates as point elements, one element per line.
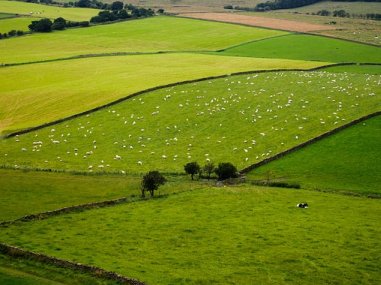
<point>46,11</point>
<point>64,91</point>
<point>348,161</point>
<point>17,23</point>
<point>147,35</point>
<point>242,119</point>
<point>309,47</point>
<point>240,235</point>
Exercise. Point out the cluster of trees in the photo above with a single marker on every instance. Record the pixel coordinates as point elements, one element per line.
<point>46,25</point>
<point>10,34</point>
<point>224,170</point>
<point>118,11</point>
<point>344,14</point>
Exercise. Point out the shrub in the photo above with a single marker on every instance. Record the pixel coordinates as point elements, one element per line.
<point>192,168</point>
<point>226,170</point>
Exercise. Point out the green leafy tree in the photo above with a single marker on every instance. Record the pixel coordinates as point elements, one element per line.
<point>226,170</point>
<point>192,168</point>
<point>209,168</point>
<point>117,5</point>
<point>43,26</point>
<point>59,24</point>
<point>151,182</point>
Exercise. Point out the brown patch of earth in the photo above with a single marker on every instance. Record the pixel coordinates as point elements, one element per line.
<point>278,24</point>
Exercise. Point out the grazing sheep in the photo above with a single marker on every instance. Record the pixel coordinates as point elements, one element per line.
<point>302,205</point>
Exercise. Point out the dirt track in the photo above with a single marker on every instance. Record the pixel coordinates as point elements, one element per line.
<point>272,23</point>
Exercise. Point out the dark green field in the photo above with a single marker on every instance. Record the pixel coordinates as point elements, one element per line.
<point>349,161</point>
<point>308,47</point>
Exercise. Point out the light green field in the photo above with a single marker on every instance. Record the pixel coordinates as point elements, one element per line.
<point>35,94</point>
<point>18,24</point>
<point>45,11</point>
<point>242,119</point>
<point>308,47</point>
<point>147,35</point>
<point>235,235</point>
<point>347,161</point>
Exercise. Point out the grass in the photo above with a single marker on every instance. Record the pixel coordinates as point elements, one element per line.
<point>6,16</point>
<point>309,47</point>
<point>31,90</point>
<point>237,235</point>
<point>18,24</point>
<point>147,35</point>
<point>364,69</point>
<point>242,119</point>
<point>30,192</point>
<point>347,161</point>
<point>15,271</point>
<point>45,11</point>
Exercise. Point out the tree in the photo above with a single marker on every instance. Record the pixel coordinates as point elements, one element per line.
<point>209,168</point>
<point>59,24</point>
<point>151,182</point>
<point>192,168</point>
<point>117,5</point>
<point>226,170</point>
<point>43,25</point>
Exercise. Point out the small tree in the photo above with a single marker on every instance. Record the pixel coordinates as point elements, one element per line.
<point>59,24</point>
<point>226,170</point>
<point>151,182</point>
<point>209,168</point>
<point>192,168</point>
<point>43,25</point>
<point>117,5</point>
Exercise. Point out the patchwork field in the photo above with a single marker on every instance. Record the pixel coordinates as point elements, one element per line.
<point>147,35</point>
<point>100,80</point>
<point>18,24</point>
<point>242,119</point>
<point>309,47</point>
<point>191,232</point>
<point>45,11</point>
<point>219,236</point>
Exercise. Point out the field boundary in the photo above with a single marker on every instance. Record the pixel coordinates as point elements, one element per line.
<point>309,142</point>
<point>39,127</point>
<point>66,210</point>
<point>98,272</point>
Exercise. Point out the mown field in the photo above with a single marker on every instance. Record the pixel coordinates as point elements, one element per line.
<point>235,235</point>
<point>64,91</point>
<point>146,35</point>
<point>242,119</point>
<point>308,47</point>
<point>18,24</point>
<point>46,11</point>
<point>348,161</point>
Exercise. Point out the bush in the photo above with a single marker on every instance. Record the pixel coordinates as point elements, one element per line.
<point>226,170</point>
<point>192,168</point>
<point>43,26</point>
<point>59,24</point>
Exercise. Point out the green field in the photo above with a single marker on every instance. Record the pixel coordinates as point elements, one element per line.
<point>147,35</point>
<point>237,235</point>
<point>309,47</point>
<point>6,15</point>
<point>18,24</point>
<point>347,161</point>
<point>15,271</point>
<point>31,90</point>
<point>242,119</point>
<point>45,11</point>
<point>364,69</point>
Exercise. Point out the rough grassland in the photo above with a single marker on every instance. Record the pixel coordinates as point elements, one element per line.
<point>242,119</point>
<point>45,11</point>
<point>18,24</point>
<point>58,90</point>
<point>309,47</point>
<point>347,161</point>
<point>147,35</point>
<point>23,193</point>
<point>241,235</point>
<point>350,7</point>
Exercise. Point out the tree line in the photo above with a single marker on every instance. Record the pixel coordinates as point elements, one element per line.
<point>344,14</point>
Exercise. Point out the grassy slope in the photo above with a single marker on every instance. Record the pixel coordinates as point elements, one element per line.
<point>242,119</point>
<point>364,69</point>
<point>15,271</point>
<point>23,193</point>
<point>309,47</point>
<point>147,35</point>
<point>45,11</point>
<point>6,15</point>
<point>348,161</point>
<point>350,7</point>
<point>19,24</point>
<point>240,235</point>
<point>57,90</point>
